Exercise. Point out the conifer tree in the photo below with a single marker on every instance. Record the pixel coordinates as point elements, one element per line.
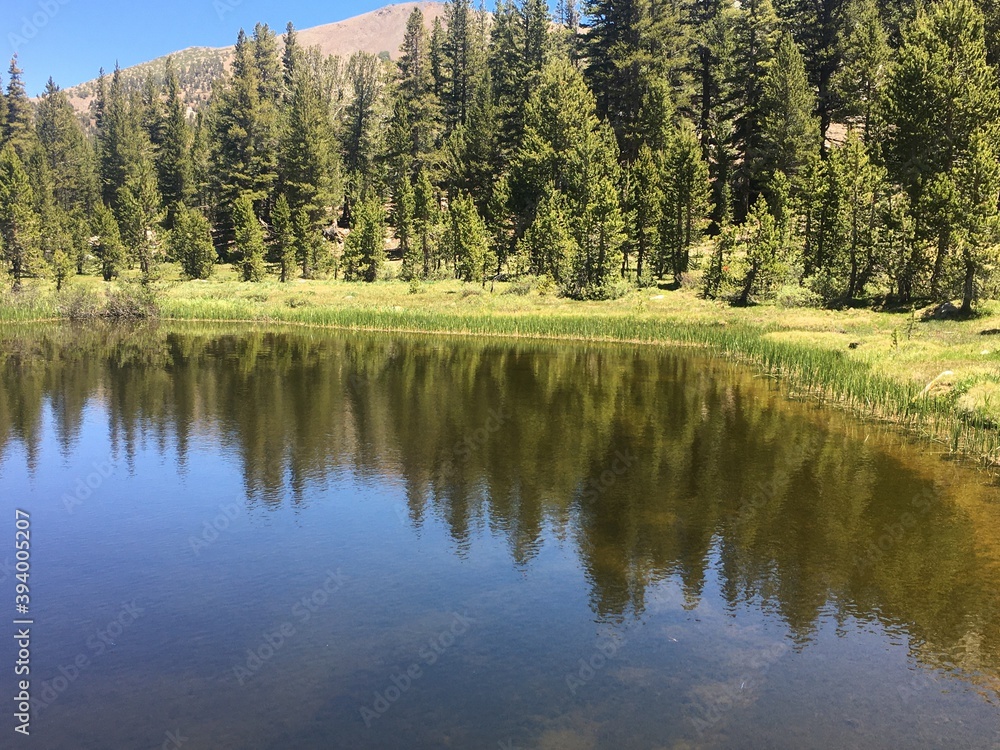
<point>764,259</point>
<point>978,182</point>
<point>67,151</point>
<point>18,128</point>
<point>291,60</point>
<point>549,247</point>
<point>600,224</point>
<point>404,208</point>
<point>425,213</point>
<point>310,168</point>
<point>685,201</point>
<point>437,57</point>
<point>472,149</point>
<point>245,131</point>
<point>646,204</point>
<point>365,122</point>
<point>518,50</point>
<point>62,266</point>
<point>284,238</point>
<point>190,243</point>
<point>467,241</point>
<point>628,44</point>
<point>174,164</point>
<point>108,244</point>
<point>755,41</point>
<point>941,92</point>
<point>860,83</point>
<point>416,89</point>
<point>364,250</point>
<point>460,59</point>
<point>138,213</point>
<point>19,225</point>
<point>249,240</point>
<point>818,27</point>
<point>789,132</point>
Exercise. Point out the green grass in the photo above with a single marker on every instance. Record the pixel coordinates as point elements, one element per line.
<point>875,363</point>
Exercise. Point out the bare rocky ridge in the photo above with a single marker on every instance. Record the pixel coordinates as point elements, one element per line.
<point>380,31</point>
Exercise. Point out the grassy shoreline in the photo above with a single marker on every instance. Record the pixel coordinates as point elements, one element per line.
<point>938,379</point>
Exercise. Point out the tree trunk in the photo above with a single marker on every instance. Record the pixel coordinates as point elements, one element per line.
<point>969,287</point>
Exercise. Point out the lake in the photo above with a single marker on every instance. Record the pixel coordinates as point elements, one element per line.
<point>291,538</point>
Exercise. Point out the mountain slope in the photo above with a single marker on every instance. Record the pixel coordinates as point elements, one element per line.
<point>380,31</point>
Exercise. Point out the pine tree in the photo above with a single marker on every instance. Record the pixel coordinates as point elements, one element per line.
<point>472,150</point>
<point>284,237</point>
<point>291,60</point>
<point>190,243</point>
<point>518,50</point>
<point>844,239</point>
<point>818,27</point>
<point>245,131</point>
<point>763,252</point>
<point>173,162</point>
<point>68,153</point>
<point>270,71</point>
<point>126,161</point>
<point>560,119</point>
<point>467,241</point>
<point>365,122</point>
<point>628,44</point>
<point>249,240</point>
<point>685,201</point>
<point>18,129</point>
<point>599,222</point>
<point>756,38</point>
<point>789,133</point>
<point>364,250</point>
<point>416,89</point>
<point>437,59</point>
<point>310,168</point>
<point>108,245</point>
<point>860,83</point>
<point>138,214</point>
<point>62,267</point>
<point>978,184</point>
<point>460,54</point>
<point>646,204</point>
<point>426,215</point>
<point>3,111</point>
<point>19,225</point>
<point>549,247</point>
<point>403,219</point>
<point>941,92</point>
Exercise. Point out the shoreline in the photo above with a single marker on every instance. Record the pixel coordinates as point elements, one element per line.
<point>812,352</point>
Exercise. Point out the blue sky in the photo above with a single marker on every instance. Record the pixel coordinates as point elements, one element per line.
<point>72,39</point>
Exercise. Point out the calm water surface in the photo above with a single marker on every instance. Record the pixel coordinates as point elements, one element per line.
<point>319,540</point>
